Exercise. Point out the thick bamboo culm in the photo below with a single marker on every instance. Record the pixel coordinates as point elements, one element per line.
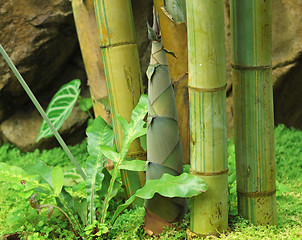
<point>122,72</point>
<point>84,17</point>
<point>207,97</point>
<point>174,37</point>
<point>253,110</point>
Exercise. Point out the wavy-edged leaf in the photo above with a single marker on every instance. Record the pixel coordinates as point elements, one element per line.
<point>184,185</point>
<point>99,133</point>
<point>57,178</point>
<point>60,107</point>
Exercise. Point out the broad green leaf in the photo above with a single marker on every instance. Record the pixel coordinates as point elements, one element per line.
<point>85,104</point>
<point>60,107</point>
<point>14,174</point>
<point>80,206</point>
<point>133,165</point>
<point>184,185</point>
<point>175,10</point>
<point>57,178</point>
<point>123,122</point>
<point>41,169</point>
<point>99,133</point>
<point>110,153</point>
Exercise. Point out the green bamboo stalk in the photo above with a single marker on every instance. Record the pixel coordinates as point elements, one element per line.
<point>122,73</point>
<point>164,150</point>
<point>41,111</point>
<point>207,97</point>
<point>87,31</point>
<point>253,110</point>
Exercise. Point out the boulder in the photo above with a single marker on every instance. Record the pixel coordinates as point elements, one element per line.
<point>40,37</point>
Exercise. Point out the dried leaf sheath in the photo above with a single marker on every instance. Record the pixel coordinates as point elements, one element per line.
<point>174,37</point>
<point>122,73</point>
<point>207,98</point>
<point>163,143</point>
<point>253,110</point>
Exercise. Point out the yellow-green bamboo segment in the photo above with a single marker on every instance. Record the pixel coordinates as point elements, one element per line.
<point>174,37</point>
<point>207,97</point>
<point>122,72</point>
<point>253,110</point>
<point>164,150</point>
<point>84,17</point>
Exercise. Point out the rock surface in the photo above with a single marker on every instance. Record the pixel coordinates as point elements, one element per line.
<point>39,36</point>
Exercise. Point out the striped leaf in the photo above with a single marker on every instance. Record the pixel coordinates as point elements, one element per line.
<point>60,107</point>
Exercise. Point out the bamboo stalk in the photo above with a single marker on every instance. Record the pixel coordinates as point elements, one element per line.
<point>253,110</point>
<point>84,17</point>
<point>207,97</point>
<point>122,72</point>
<point>174,37</point>
<point>164,151</point>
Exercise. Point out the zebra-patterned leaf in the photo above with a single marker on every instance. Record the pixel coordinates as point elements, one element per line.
<point>60,107</point>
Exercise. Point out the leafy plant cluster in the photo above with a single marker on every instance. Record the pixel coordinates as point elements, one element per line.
<point>83,196</point>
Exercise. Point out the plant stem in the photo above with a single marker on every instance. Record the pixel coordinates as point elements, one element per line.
<point>41,111</point>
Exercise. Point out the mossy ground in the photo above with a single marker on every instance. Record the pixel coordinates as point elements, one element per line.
<point>16,215</point>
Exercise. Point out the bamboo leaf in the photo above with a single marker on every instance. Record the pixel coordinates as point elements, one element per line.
<point>184,185</point>
<point>143,140</point>
<point>133,165</point>
<point>60,107</point>
<point>57,178</point>
<point>110,153</point>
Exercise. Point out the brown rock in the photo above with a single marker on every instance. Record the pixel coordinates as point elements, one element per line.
<point>39,36</point>
<point>22,129</point>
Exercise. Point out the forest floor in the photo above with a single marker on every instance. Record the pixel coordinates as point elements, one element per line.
<point>16,215</point>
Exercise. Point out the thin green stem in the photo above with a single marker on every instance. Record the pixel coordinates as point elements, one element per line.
<point>41,111</point>
<point>66,205</point>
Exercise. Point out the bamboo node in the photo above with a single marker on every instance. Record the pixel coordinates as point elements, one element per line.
<point>136,155</point>
<point>222,172</point>
<point>197,89</point>
<point>252,68</point>
<point>256,194</point>
<point>117,44</point>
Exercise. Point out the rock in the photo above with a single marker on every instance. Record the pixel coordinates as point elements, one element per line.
<point>40,37</point>
<point>22,129</point>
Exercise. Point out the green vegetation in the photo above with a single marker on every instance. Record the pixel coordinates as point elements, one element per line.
<point>16,215</point>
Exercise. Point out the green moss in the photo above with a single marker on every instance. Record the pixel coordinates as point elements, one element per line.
<point>17,216</point>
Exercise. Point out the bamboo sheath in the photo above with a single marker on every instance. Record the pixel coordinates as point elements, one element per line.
<point>253,110</point>
<point>207,97</point>
<point>122,72</point>
<point>174,38</point>
<point>87,31</point>
<point>163,142</point>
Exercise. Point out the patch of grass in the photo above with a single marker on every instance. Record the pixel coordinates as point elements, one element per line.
<point>14,204</point>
